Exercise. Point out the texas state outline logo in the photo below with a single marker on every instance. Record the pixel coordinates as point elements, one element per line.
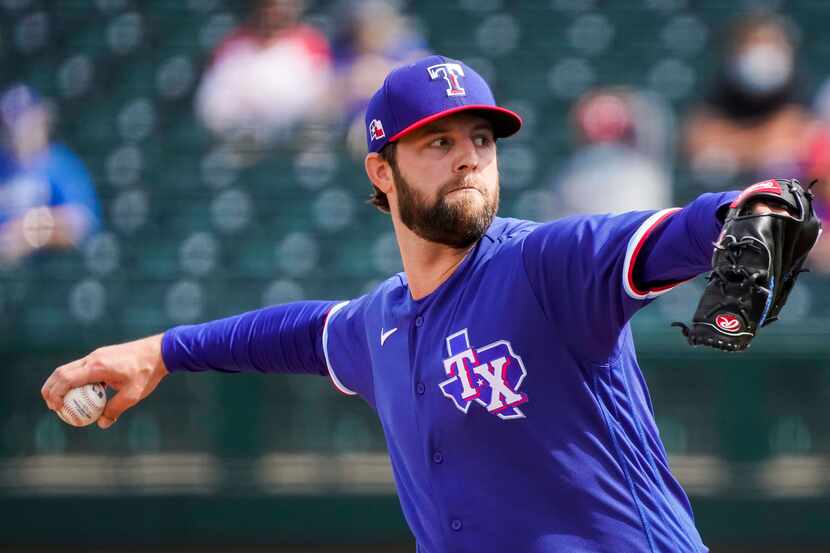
<point>489,375</point>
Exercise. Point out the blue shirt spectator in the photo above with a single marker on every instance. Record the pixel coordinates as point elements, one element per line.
<point>46,195</point>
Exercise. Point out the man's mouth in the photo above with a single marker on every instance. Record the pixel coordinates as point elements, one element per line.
<point>463,188</point>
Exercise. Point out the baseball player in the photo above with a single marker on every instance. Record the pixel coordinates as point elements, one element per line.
<point>500,362</point>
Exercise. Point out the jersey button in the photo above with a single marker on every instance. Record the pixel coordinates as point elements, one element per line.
<point>456,524</point>
<point>419,321</point>
<point>420,388</point>
<point>437,457</point>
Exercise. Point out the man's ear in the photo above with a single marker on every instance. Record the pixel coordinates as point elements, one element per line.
<point>379,172</point>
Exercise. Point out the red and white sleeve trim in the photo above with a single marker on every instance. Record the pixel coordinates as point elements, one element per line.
<point>336,381</point>
<point>635,244</point>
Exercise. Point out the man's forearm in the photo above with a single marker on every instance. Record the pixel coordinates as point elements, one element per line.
<point>682,246</point>
<point>281,339</point>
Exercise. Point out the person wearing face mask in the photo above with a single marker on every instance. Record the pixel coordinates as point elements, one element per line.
<point>752,121</point>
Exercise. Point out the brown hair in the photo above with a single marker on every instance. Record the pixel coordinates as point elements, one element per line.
<point>378,199</point>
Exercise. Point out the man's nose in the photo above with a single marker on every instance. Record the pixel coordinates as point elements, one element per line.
<point>468,157</point>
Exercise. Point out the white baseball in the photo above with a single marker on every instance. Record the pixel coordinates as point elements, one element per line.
<point>83,405</point>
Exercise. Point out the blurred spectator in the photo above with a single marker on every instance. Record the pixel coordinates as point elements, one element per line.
<point>752,124</point>
<point>46,196</point>
<point>822,102</point>
<point>819,169</point>
<point>265,77</point>
<point>622,162</point>
<point>372,38</point>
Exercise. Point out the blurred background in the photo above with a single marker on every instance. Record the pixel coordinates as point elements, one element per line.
<point>172,161</point>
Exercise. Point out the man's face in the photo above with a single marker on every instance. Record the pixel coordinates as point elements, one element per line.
<point>447,180</point>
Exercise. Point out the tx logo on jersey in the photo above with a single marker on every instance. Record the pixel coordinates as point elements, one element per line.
<point>450,73</point>
<point>489,375</point>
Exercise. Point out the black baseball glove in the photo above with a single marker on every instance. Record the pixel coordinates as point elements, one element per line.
<point>755,264</point>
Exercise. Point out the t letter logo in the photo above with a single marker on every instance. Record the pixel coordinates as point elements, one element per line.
<point>450,72</point>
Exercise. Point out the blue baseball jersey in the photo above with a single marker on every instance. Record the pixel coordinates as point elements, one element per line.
<point>515,413</point>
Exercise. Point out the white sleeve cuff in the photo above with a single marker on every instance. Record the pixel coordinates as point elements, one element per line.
<point>336,381</point>
<point>635,244</point>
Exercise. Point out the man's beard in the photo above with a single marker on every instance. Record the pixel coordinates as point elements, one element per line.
<point>459,224</point>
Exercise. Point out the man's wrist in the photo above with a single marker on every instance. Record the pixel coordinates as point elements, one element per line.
<point>157,345</point>
<point>763,208</point>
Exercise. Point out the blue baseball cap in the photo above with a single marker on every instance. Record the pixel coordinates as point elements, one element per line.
<point>431,88</point>
<point>15,101</point>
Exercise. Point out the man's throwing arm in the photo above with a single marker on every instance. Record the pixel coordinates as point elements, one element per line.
<point>285,338</point>
<point>280,339</point>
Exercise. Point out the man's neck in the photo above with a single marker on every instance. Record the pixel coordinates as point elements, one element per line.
<point>426,264</point>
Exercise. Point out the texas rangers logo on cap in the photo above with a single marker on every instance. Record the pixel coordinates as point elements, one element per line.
<point>376,130</point>
<point>450,72</point>
<point>488,375</point>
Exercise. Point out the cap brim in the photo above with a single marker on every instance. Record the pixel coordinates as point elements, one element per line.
<point>505,122</point>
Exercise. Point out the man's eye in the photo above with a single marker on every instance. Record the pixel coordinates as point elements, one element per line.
<point>482,140</point>
<point>439,142</point>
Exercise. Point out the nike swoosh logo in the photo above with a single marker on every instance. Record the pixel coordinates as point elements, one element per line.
<point>385,335</point>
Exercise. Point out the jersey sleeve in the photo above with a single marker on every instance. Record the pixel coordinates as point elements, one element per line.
<point>592,273</point>
<point>311,337</point>
<point>277,339</point>
<point>676,247</point>
<point>346,349</point>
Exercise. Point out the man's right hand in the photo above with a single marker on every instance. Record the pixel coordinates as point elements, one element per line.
<point>134,369</point>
